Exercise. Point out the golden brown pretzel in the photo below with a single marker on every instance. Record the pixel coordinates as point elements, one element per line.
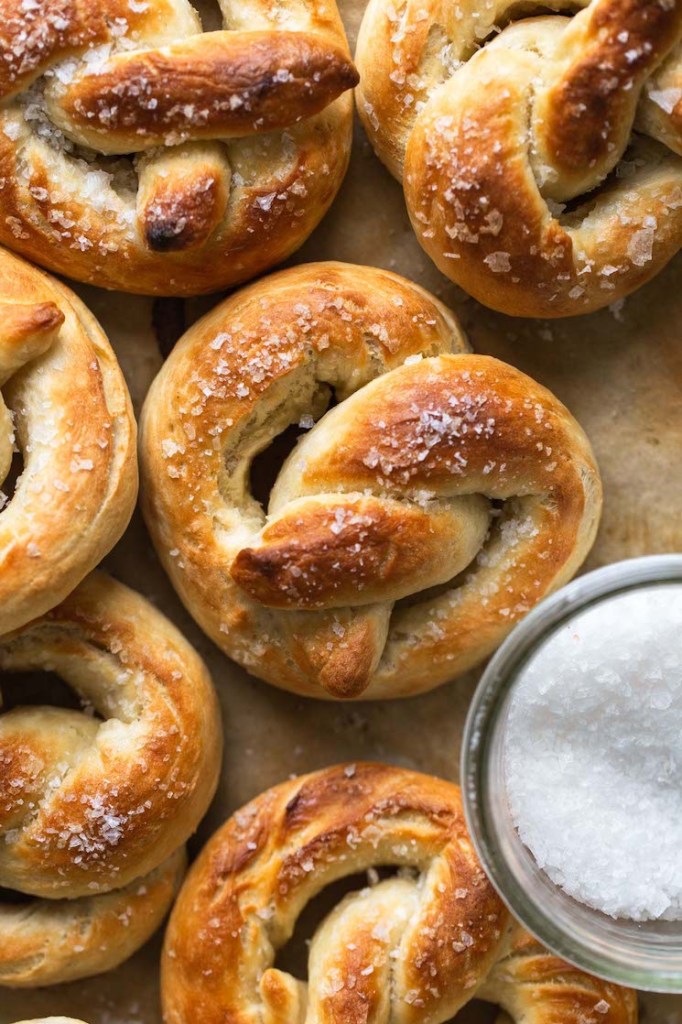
<point>512,146</point>
<point>94,811</point>
<point>414,948</point>
<point>454,472</point>
<point>66,940</point>
<point>64,404</point>
<point>138,153</point>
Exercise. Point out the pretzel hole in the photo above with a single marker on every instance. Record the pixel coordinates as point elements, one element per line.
<point>266,465</point>
<point>9,484</point>
<point>209,13</point>
<point>121,169</point>
<point>293,955</point>
<point>11,897</point>
<point>38,688</point>
<point>574,212</point>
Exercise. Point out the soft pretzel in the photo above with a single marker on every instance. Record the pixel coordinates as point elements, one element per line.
<point>413,948</point>
<point>512,142</point>
<point>66,940</point>
<point>454,472</point>
<point>64,404</point>
<point>139,153</point>
<point>95,807</point>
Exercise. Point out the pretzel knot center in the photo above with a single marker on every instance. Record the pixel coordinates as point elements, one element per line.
<point>362,952</point>
<point>397,491</point>
<point>329,551</point>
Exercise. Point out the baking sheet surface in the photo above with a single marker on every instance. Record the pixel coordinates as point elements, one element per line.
<point>620,373</point>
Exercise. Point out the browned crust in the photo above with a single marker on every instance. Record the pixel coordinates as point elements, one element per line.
<point>356,550</point>
<point>278,102</point>
<point>430,948</point>
<point>31,40</point>
<point>562,993</point>
<point>75,426</point>
<point>479,213</point>
<point>623,41</point>
<point>339,821</point>
<point>289,183</point>
<point>130,791</point>
<point>22,322</point>
<point>541,115</point>
<point>183,197</point>
<point>304,599</point>
<point>57,941</point>
<point>217,85</point>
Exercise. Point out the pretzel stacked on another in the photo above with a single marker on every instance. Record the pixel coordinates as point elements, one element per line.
<point>95,807</point>
<point>414,948</point>
<point>409,530</point>
<point>513,147</point>
<point>138,152</point>
<point>64,406</point>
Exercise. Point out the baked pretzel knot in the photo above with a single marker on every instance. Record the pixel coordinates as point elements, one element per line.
<point>95,807</point>
<point>138,152</point>
<point>413,948</point>
<point>513,147</point>
<point>409,529</point>
<point>64,406</point>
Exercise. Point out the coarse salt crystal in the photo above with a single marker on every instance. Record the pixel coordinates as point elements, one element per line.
<point>593,755</point>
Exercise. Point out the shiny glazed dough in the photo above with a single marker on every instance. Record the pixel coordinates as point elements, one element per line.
<point>540,156</point>
<point>96,805</point>
<point>65,405</point>
<point>415,947</point>
<point>413,525</point>
<point>138,152</point>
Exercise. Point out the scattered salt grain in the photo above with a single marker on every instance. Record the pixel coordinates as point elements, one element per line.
<point>593,755</point>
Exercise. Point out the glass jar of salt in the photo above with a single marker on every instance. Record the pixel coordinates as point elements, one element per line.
<point>572,772</point>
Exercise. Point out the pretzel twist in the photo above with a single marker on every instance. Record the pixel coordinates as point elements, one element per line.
<point>102,805</point>
<point>453,472</point>
<point>65,406</point>
<point>413,948</point>
<point>513,147</point>
<point>139,153</point>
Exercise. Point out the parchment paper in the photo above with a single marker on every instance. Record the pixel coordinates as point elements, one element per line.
<point>620,373</point>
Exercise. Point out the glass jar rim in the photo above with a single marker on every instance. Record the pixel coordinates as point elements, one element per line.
<point>483,719</point>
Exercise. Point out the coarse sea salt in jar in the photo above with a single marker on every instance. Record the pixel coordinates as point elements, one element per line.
<point>572,772</point>
<point>593,755</point>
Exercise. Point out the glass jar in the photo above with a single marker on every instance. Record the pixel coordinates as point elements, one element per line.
<point>645,955</point>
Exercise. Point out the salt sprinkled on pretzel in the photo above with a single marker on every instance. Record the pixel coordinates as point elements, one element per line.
<point>425,514</point>
<point>96,804</point>
<point>540,156</point>
<point>138,152</point>
<point>64,406</point>
<point>414,948</point>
